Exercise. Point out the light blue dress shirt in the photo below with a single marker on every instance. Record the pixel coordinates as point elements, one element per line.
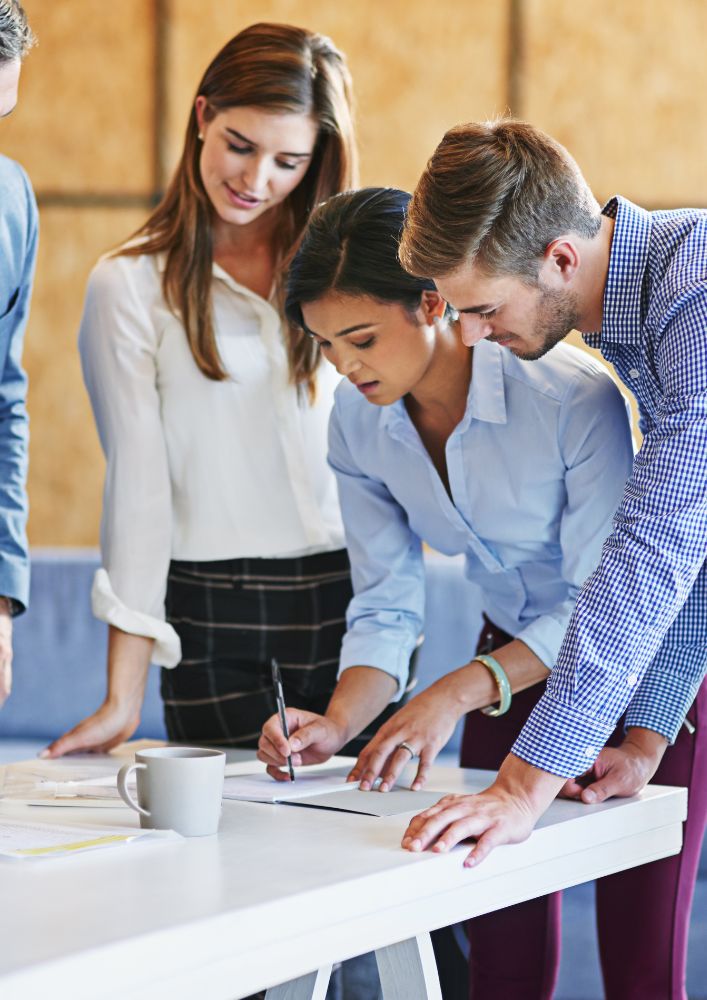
<point>536,468</point>
<point>18,250</point>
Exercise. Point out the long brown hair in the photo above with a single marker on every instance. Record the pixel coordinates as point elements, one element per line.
<point>286,70</point>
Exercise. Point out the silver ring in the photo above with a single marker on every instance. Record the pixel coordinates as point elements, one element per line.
<point>406,746</point>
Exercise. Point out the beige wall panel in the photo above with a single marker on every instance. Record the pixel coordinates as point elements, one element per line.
<point>66,464</point>
<point>623,86</point>
<point>84,122</point>
<point>418,67</point>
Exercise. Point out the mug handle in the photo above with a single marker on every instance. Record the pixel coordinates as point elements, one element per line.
<point>125,795</point>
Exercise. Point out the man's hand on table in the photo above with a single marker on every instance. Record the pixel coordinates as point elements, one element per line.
<point>505,813</point>
<point>5,650</point>
<point>313,739</point>
<point>620,771</point>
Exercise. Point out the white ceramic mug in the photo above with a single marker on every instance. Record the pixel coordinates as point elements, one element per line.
<point>178,788</point>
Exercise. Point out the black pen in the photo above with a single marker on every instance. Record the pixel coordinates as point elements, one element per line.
<point>280,701</point>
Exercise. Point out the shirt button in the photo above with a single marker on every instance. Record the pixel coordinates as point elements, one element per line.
<point>633,373</point>
<point>590,751</point>
<point>632,680</point>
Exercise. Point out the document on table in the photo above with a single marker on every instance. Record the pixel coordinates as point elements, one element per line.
<point>20,839</point>
<point>80,776</point>
<point>80,780</point>
<point>327,790</point>
<point>393,803</point>
<point>260,787</point>
<point>90,780</point>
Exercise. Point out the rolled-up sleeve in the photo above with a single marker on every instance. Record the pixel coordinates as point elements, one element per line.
<point>385,616</point>
<point>648,568</point>
<point>594,430</point>
<point>118,346</point>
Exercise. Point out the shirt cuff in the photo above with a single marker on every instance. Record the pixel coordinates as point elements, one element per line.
<point>661,703</point>
<point>14,606</point>
<point>108,607</point>
<point>392,657</point>
<point>561,740</point>
<point>14,581</point>
<point>544,636</point>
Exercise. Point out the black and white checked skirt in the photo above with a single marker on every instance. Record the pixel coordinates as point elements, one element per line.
<point>232,617</point>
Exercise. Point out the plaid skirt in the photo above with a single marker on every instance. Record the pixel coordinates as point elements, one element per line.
<point>232,617</point>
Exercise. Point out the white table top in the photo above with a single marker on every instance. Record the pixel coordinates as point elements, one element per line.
<point>282,890</point>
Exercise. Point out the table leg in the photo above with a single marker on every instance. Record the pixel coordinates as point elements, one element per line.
<point>313,986</point>
<point>408,970</point>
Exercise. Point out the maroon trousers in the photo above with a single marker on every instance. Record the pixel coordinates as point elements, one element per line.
<point>643,914</point>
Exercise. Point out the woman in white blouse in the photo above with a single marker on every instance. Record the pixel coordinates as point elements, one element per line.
<point>221,539</point>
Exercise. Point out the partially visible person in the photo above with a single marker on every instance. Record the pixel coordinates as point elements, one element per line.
<point>507,226</point>
<point>18,251</point>
<point>221,538</point>
<point>517,467</point>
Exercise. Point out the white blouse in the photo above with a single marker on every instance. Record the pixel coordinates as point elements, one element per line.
<point>197,469</point>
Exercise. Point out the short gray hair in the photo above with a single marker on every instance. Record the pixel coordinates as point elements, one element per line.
<point>16,36</point>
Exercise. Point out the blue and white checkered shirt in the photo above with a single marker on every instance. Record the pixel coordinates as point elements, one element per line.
<point>638,634</point>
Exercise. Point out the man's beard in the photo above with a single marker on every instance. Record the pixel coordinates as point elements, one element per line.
<point>557,313</point>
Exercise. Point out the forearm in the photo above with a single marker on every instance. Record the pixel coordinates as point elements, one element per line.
<point>647,742</point>
<point>360,696</point>
<point>117,718</point>
<point>472,686</point>
<point>128,665</point>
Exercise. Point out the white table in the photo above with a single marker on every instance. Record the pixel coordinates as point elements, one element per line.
<point>284,890</point>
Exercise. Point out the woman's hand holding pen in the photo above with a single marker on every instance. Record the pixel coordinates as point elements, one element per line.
<point>313,739</point>
<point>360,695</point>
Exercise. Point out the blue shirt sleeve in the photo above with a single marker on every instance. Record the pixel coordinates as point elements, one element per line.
<point>650,564</point>
<point>19,223</point>
<point>384,618</point>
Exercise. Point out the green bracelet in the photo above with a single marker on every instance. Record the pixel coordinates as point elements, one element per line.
<point>504,687</point>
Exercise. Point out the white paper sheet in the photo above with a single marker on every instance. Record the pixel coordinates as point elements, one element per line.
<point>393,803</point>
<point>261,787</point>
<point>21,839</point>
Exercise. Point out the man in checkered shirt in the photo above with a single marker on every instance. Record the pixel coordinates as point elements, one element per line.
<point>505,223</point>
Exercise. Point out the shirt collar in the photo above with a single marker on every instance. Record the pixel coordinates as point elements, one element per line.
<point>486,399</point>
<point>487,394</point>
<point>622,313</point>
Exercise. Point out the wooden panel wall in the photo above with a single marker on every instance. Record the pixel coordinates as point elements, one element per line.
<point>623,86</point>
<point>104,100</point>
<point>412,82</point>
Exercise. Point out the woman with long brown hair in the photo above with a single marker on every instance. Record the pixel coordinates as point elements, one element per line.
<point>221,539</point>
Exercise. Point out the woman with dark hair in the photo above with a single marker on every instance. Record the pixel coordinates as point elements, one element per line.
<point>517,467</point>
<point>221,537</point>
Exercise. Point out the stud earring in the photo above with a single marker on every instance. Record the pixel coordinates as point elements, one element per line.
<point>200,136</point>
